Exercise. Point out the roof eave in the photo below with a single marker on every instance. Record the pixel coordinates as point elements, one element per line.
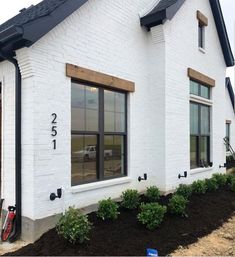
<point>230,91</point>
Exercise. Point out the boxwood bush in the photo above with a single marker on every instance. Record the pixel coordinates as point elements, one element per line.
<point>108,209</point>
<point>211,184</point>
<point>177,205</point>
<point>221,179</point>
<point>151,215</point>
<point>184,190</point>
<point>74,226</point>
<point>153,194</point>
<point>130,199</point>
<point>199,187</point>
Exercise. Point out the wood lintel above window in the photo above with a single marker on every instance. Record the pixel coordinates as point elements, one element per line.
<point>201,78</point>
<point>203,20</point>
<point>228,121</point>
<point>91,76</point>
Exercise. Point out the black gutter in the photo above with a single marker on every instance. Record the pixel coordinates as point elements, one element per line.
<point>18,175</point>
<point>230,91</point>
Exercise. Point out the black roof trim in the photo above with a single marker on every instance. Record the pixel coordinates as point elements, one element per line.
<point>222,32</point>
<point>166,9</point>
<point>31,24</point>
<point>228,85</point>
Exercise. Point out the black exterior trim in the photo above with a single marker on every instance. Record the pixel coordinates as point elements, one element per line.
<point>228,85</point>
<point>159,16</point>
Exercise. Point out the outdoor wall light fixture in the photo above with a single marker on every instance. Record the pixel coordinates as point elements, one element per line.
<point>224,166</point>
<point>53,196</point>
<point>183,176</point>
<point>144,178</point>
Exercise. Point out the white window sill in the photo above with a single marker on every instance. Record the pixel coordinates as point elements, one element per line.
<point>200,170</point>
<point>101,184</point>
<point>202,50</point>
<point>201,100</point>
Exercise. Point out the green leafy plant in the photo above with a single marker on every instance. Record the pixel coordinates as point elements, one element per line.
<point>211,184</point>
<point>108,209</point>
<point>232,184</point>
<point>74,226</point>
<point>151,215</point>
<point>221,179</point>
<point>230,178</point>
<point>199,187</point>
<point>177,205</point>
<point>130,199</point>
<point>153,194</point>
<point>184,190</point>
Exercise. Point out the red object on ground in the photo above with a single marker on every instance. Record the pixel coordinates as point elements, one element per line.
<point>8,226</point>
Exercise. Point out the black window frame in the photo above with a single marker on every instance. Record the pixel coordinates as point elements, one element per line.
<point>228,136</point>
<point>201,36</point>
<point>199,136</point>
<point>100,134</point>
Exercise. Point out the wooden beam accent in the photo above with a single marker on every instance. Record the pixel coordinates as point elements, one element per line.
<point>99,78</point>
<point>228,121</point>
<point>203,20</point>
<point>201,78</point>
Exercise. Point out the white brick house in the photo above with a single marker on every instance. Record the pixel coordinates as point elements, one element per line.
<point>106,98</point>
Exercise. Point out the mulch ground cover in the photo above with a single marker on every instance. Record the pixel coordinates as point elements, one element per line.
<point>126,236</point>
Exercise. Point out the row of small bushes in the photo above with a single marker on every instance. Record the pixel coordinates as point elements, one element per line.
<point>75,227</point>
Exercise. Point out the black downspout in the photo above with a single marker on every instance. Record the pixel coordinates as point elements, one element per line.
<point>18,183</point>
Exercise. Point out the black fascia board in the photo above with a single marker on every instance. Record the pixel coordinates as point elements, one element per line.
<point>159,17</point>
<point>36,29</point>
<point>11,33</point>
<point>222,32</point>
<point>230,91</point>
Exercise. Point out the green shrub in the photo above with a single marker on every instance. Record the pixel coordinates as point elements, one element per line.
<point>151,215</point>
<point>221,179</point>
<point>130,199</point>
<point>184,190</point>
<point>107,209</point>
<point>230,177</point>
<point>74,226</point>
<point>177,205</point>
<point>199,187</point>
<point>153,194</point>
<point>211,184</point>
<point>232,185</point>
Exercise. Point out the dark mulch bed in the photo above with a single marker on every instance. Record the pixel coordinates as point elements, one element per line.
<point>126,236</point>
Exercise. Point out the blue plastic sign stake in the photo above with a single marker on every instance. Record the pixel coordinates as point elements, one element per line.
<point>152,252</point>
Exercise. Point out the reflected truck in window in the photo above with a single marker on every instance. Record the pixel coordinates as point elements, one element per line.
<point>89,153</point>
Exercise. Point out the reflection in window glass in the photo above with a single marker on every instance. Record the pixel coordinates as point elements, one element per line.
<point>204,159</point>
<point>194,88</point>
<point>194,119</point>
<point>205,120</point>
<point>205,92</point>
<point>84,102</point>
<point>83,159</point>
<point>114,156</point>
<point>193,152</point>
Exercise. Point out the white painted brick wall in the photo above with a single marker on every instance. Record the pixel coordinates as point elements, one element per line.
<point>106,36</point>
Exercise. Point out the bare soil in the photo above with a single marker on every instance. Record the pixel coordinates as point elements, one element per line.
<point>126,236</point>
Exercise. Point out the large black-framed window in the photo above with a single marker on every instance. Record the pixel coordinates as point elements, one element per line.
<point>199,135</point>
<point>99,133</point>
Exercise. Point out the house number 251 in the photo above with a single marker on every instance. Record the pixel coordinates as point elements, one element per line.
<point>54,129</point>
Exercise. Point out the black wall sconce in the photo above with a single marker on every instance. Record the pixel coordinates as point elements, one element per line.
<point>224,166</point>
<point>144,178</point>
<point>53,196</point>
<point>183,176</point>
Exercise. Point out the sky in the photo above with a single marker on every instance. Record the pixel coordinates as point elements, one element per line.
<point>9,8</point>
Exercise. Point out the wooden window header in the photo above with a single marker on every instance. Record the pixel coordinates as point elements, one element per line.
<point>201,78</point>
<point>228,121</point>
<point>203,20</point>
<point>95,77</point>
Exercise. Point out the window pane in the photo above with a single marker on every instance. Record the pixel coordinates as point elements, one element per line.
<point>205,120</point>
<point>114,156</point>
<point>109,101</point>
<point>83,159</point>
<point>120,102</point>
<point>109,121</point>
<point>193,152</point>
<point>205,92</point>
<point>194,119</point>
<point>194,88</point>
<point>227,136</point>
<point>91,120</point>
<point>204,152</point>
<point>78,107</point>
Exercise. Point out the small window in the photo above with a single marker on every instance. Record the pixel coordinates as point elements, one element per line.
<point>227,136</point>
<point>201,36</point>
<point>199,89</point>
